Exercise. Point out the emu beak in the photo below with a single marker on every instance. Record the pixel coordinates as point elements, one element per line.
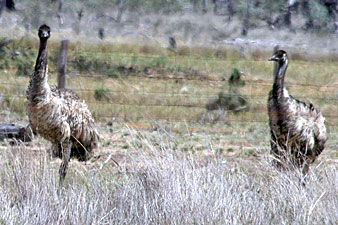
<point>273,58</point>
<point>44,34</point>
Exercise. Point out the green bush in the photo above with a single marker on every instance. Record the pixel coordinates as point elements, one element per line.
<point>227,101</point>
<point>232,100</point>
<point>24,64</point>
<point>17,55</point>
<point>4,64</point>
<point>319,13</point>
<point>101,94</point>
<point>235,79</point>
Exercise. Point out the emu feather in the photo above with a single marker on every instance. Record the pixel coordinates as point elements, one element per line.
<point>298,132</point>
<point>59,115</point>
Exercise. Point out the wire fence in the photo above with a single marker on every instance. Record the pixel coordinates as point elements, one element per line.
<point>197,55</point>
<point>191,96</point>
<point>122,102</point>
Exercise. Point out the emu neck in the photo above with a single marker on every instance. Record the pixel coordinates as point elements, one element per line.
<point>39,86</point>
<point>279,74</point>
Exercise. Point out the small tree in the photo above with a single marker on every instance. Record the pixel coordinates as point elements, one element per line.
<point>232,100</point>
<point>8,4</point>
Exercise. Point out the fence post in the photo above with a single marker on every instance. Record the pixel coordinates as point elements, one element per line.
<point>62,64</point>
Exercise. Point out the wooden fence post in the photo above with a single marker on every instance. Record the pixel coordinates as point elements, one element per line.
<point>62,64</point>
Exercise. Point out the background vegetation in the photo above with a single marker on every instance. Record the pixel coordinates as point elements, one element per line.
<point>191,21</point>
<point>184,129</point>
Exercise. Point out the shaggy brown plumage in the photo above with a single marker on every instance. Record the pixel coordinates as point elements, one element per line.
<point>59,115</point>
<point>298,132</point>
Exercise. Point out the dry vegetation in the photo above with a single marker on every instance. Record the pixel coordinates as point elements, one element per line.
<point>164,158</point>
<point>156,184</point>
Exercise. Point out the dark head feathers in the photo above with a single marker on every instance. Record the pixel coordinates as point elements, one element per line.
<point>279,56</point>
<point>44,32</point>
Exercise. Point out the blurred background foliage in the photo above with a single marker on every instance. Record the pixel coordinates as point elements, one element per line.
<point>313,14</point>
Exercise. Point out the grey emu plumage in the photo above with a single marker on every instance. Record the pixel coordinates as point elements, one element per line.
<point>298,132</point>
<point>59,115</point>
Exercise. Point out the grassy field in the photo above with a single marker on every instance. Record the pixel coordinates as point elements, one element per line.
<point>164,158</point>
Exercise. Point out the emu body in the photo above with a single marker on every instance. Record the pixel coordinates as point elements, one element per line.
<point>298,132</point>
<point>59,115</point>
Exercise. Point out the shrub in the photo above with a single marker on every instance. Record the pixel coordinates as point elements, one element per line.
<point>228,102</point>
<point>101,94</point>
<point>24,64</point>
<point>319,13</point>
<point>232,100</point>
<point>235,79</point>
<point>4,64</point>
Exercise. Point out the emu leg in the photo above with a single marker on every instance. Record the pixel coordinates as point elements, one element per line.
<point>305,172</point>
<point>56,150</point>
<point>66,149</point>
<point>276,152</point>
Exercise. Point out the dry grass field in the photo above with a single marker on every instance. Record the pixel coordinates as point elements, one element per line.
<point>164,158</point>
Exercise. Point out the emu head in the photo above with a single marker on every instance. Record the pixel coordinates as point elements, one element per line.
<point>280,56</point>
<point>44,32</point>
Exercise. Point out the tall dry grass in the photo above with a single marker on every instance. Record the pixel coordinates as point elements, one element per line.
<point>155,184</point>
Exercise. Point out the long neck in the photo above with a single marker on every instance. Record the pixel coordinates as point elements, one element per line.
<point>38,84</point>
<point>279,74</point>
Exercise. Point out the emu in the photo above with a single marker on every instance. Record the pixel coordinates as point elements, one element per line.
<point>298,132</point>
<point>59,115</point>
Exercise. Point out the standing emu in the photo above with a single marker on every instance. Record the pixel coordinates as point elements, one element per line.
<point>59,115</point>
<point>298,132</point>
